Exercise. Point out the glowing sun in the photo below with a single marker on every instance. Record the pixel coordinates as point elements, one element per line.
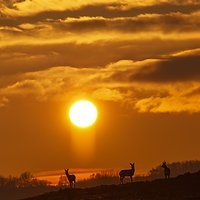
<point>83,113</point>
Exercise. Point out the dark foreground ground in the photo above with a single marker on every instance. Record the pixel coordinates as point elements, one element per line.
<point>185,187</point>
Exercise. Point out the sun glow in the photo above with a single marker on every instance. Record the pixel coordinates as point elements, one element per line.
<point>83,113</point>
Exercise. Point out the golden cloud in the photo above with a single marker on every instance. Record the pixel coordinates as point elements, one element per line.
<point>113,83</point>
<point>124,52</point>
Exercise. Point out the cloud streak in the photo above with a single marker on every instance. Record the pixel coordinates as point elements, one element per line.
<point>144,54</point>
<point>119,82</point>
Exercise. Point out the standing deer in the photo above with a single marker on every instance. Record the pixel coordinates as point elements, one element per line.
<point>127,172</point>
<point>166,170</point>
<point>71,178</point>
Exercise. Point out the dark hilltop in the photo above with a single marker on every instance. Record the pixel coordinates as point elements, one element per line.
<point>185,187</point>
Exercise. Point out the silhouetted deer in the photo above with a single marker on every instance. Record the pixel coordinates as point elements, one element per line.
<point>166,170</point>
<point>127,172</point>
<point>71,178</point>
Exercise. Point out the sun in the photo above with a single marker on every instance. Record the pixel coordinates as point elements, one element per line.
<point>83,113</point>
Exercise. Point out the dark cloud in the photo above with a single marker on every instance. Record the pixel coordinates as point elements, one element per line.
<point>98,54</point>
<point>174,69</point>
<point>148,23</point>
<point>10,3</point>
<point>103,11</point>
<point>195,92</point>
<point>164,23</point>
<point>173,16</point>
<point>184,1</point>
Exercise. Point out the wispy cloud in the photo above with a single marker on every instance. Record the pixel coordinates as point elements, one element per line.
<point>121,82</point>
<point>144,53</point>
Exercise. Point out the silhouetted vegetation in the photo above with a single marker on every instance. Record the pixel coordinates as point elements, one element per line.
<point>23,186</point>
<point>26,179</point>
<point>63,182</point>
<point>101,178</point>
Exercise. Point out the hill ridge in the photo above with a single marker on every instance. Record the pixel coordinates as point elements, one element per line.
<point>186,186</point>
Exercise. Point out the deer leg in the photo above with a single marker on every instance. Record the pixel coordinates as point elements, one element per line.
<point>131,179</point>
<point>121,179</point>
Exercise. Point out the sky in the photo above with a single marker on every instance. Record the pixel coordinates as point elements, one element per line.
<point>137,60</point>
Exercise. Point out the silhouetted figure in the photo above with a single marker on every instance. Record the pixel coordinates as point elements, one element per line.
<point>127,172</point>
<point>166,170</point>
<point>71,178</point>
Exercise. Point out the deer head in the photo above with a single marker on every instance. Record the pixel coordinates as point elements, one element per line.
<point>164,164</point>
<point>132,165</point>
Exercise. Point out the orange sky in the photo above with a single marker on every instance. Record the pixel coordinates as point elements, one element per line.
<point>138,61</point>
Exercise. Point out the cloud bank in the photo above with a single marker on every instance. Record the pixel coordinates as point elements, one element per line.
<point>144,55</point>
